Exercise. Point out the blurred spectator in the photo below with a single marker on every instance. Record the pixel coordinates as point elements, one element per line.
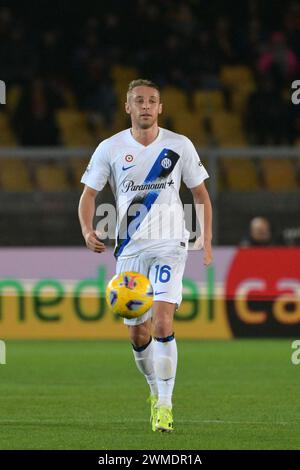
<point>51,55</point>
<point>175,42</point>
<point>292,27</point>
<point>259,233</point>
<point>17,56</point>
<point>224,44</point>
<point>204,66</point>
<point>278,60</point>
<point>101,102</point>
<point>34,118</point>
<point>266,115</point>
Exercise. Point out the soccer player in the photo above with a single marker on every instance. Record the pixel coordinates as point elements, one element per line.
<point>144,166</point>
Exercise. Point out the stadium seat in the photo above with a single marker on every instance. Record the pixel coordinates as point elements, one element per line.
<point>239,100</point>
<point>51,177</point>
<point>227,129</point>
<point>207,102</point>
<point>279,175</point>
<point>123,74</point>
<point>240,174</point>
<point>190,124</point>
<point>7,137</point>
<point>14,175</point>
<point>14,93</point>
<point>74,129</point>
<point>174,101</point>
<point>239,81</point>
<point>236,76</point>
<point>78,167</point>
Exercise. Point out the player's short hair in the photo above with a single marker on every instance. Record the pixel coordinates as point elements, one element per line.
<point>142,82</point>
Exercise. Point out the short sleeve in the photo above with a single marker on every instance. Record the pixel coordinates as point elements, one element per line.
<point>193,172</point>
<point>98,169</point>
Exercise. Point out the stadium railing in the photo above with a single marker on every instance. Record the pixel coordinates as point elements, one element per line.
<point>243,182</point>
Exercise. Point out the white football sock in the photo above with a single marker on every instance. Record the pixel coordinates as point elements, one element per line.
<point>144,360</point>
<point>165,365</point>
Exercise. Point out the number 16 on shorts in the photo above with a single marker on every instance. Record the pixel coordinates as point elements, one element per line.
<point>166,280</point>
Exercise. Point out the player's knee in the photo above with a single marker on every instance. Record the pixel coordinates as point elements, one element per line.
<point>163,326</point>
<point>139,335</point>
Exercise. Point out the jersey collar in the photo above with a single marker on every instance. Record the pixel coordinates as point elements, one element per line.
<point>145,146</point>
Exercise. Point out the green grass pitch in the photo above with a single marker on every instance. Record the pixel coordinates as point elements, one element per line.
<point>241,394</point>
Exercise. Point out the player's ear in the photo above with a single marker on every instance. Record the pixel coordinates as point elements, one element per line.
<point>160,108</point>
<point>127,107</point>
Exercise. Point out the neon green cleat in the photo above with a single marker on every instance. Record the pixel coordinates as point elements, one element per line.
<point>164,419</point>
<point>153,413</point>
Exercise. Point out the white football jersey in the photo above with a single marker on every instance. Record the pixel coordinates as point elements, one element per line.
<point>145,181</point>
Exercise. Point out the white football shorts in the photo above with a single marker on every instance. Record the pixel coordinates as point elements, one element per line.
<point>165,271</point>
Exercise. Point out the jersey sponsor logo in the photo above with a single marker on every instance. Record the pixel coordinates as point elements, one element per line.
<point>161,292</point>
<point>128,158</point>
<point>124,168</point>
<point>129,185</point>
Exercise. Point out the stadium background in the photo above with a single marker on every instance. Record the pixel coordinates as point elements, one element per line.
<point>225,70</point>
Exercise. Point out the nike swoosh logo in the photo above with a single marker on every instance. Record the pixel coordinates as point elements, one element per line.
<point>162,292</point>
<point>127,167</point>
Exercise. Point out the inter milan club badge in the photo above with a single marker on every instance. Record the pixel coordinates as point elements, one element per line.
<point>166,163</point>
<point>129,158</point>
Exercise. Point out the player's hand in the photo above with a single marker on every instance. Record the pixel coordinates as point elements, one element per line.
<point>207,252</point>
<point>93,243</point>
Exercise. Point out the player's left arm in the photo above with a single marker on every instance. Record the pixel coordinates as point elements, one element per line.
<point>204,214</point>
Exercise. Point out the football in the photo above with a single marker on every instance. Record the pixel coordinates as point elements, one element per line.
<point>129,294</point>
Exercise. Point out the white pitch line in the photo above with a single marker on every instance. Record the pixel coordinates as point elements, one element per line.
<point>190,421</point>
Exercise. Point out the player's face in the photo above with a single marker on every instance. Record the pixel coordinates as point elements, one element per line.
<point>144,106</point>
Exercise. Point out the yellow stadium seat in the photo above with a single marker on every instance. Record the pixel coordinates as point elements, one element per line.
<point>14,175</point>
<point>174,101</point>
<point>279,174</point>
<point>207,102</point>
<point>236,76</point>
<point>240,82</point>
<point>51,177</point>
<point>69,98</point>
<point>240,174</point>
<point>240,99</point>
<point>7,137</point>
<point>227,129</point>
<point>123,74</point>
<point>13,97</point>
<point>190,124</point>
<point>74,129</point>
<point>78,167</point>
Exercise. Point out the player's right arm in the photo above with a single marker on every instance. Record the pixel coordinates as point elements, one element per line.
<point>86,210</point>
<point>94,179</point>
